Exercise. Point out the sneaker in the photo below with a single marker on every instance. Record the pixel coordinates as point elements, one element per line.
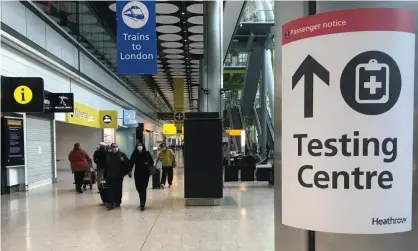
<point>142,208</point>
<point>110,207</point>
<point>169,186</point>
<point>162,186</point>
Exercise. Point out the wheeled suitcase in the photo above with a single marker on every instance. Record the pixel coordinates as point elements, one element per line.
<point>156,179</point>
<point>104,192</point>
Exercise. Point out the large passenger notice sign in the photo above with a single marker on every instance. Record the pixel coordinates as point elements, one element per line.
<point>348,90</point>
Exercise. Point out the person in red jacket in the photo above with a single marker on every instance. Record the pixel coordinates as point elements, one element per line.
<point>79,160</point>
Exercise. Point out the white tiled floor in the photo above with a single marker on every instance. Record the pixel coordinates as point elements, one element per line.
<point>55,218</point>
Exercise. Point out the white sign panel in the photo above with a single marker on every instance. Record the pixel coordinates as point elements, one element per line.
<point>348,88</point>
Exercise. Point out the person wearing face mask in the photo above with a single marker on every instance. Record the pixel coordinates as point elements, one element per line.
<point>168,163</point>
<point>117,164</point>
<point>99,158</point>
<point>142,160</point>
<point>79,160</point>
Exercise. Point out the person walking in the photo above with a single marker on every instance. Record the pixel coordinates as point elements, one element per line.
<point>142,160</point>
<point>166,156</point>
<point>79,161</point>
<point>117,166</point>
<point>99,158</point>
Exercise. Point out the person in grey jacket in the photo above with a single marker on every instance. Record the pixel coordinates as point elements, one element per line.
<point>117,166</point>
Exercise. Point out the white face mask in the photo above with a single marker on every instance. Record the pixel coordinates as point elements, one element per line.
<point>115,150</point>
<point>140,148</point>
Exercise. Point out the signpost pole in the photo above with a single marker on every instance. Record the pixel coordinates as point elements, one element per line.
<point>311,234</point>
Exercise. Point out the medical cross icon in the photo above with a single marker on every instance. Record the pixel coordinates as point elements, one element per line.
<point>372,85</point>
<point>179,116</point>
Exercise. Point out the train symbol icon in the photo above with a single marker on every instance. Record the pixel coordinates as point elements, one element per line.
<point>135,14</point>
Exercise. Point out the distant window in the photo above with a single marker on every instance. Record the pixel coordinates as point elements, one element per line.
<point>242,58</point>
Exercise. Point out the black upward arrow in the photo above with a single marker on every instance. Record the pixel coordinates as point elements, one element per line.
<point>308,68</point>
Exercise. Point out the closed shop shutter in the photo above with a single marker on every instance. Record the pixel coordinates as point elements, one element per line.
<point>39,151</point>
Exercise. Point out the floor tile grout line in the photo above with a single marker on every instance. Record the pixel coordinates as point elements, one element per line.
<point>152,227</point>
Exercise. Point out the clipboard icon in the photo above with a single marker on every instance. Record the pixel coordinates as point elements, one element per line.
<point>372,83</point>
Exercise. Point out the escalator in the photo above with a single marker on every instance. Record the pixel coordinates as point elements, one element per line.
<point>270,127</point>
<point>231,20</point>
<point>236,119</point>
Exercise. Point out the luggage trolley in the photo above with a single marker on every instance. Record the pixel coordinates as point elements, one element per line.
<point>89,177</point>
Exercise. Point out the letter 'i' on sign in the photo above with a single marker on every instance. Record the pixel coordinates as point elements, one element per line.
<point>340,145</point>
<point>136,37</point>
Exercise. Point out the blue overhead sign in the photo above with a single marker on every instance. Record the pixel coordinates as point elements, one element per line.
<point>136,37</point>
<point>129,117</point>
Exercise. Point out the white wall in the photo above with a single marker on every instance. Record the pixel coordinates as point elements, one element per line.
<point>68,134</point>
<point>32,27</point>
<point>125,138</point>
<point>14,63</point>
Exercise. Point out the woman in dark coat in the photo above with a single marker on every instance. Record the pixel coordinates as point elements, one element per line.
<point>142,159</point>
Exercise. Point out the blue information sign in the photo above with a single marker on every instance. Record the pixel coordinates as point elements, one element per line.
<point>129,117</point>
<point>137,37</point>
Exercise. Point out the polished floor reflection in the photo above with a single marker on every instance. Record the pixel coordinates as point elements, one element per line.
<point>55,218</point>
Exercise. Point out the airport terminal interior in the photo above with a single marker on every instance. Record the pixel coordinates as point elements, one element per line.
<point>252,125</point>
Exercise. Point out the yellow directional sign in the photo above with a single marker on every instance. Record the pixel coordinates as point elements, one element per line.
<point>23,94</point>
<point>234,132</point>
<point>169,129</point>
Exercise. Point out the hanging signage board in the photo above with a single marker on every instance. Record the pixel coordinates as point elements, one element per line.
<point>22,94</point>
<point>348,88</point>
<point>86,116</point>
<point>136,37</point>
<point>59,102</point>
<point>108,119</point>
<point>83,115</point>
<point>13,149</point>
<point>129,117</point>
<point>169,129</point>
<point>234,132</point>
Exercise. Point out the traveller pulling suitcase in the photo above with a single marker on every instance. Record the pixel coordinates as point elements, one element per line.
<point>104,191</point>
<point>156,179</point>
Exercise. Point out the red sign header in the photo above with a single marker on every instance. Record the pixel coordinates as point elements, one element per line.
<point>365,19</point>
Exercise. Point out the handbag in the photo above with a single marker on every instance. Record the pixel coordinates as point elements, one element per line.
<point>151,168</point>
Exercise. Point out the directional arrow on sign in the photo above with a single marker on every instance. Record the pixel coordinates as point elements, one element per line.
<point>308,68</point>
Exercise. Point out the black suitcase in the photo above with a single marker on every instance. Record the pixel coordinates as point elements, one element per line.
<point>156,179</point>
<point>104,192</point>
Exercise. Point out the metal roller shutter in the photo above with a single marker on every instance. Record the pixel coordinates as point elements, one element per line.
<point>39,151</point>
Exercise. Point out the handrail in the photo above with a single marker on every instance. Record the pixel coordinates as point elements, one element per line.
<point>270,125</point>
<point>269,122</point>
<point>257,16</point>
<point>231,121</point>
<point>247,136</point>
<point>257,120</point>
